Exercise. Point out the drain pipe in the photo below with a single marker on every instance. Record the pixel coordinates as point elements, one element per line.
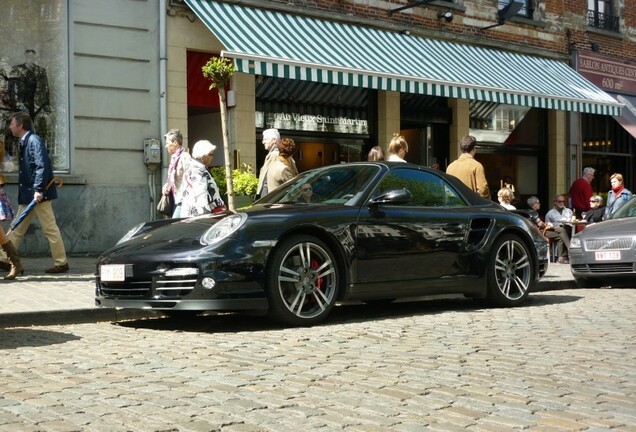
<point>163,97</point>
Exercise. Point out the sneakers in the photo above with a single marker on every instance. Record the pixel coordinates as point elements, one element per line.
<point>563,260</point>
<point>57,269</point>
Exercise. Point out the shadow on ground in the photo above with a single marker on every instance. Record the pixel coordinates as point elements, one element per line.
<point>342,314</point>
<point>22,337</point>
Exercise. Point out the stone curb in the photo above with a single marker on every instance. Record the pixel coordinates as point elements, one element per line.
<point>94,315</point>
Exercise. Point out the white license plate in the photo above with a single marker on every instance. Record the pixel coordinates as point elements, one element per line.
<point>112,272</point>
<point>607,255</point>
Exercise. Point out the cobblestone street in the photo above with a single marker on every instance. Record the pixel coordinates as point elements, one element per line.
<point>566,361</point>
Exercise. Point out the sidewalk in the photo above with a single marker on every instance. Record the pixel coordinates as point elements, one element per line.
<point>38,298</point>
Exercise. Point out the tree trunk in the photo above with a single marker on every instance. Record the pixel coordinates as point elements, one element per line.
<point>226,152</point>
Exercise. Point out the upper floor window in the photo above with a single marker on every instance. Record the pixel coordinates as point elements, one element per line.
<point>600,14</point>
<point>525,11</point>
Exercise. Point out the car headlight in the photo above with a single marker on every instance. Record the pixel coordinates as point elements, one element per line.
<point>131,233</point>
<point>223,228</point>
<point>575,242</point>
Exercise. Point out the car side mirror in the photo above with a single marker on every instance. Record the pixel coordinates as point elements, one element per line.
<point>395,196</point>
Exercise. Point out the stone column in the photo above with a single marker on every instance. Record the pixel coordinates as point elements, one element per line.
<point>460,126</point>
<point>388,117</point>
<point>242,119</point>
<point>557,154</point>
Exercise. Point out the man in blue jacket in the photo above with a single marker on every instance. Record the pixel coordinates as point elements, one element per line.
<point>36,173</point>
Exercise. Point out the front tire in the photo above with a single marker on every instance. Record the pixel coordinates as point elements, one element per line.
<point>510,271</point>
<point>302,281</point>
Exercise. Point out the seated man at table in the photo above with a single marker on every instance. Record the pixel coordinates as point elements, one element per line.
<point>534,205</point>
<point>556,228</point>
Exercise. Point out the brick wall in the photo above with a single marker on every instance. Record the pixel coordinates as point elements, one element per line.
<point>558,25</point>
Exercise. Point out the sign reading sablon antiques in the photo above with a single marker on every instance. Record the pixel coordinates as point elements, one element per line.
<point>610,74</point>
<point>312,122</point>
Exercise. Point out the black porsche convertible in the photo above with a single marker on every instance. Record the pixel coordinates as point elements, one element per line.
<point>362,231</point>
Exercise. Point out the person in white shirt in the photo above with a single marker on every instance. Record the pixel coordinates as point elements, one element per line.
<point>398,148</point>
<point>555,220</point>
<point>505,196</point>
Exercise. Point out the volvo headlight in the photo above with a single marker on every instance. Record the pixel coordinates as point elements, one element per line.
<point>575,242</point>
<point>223,228</point>
<point>130,234</point>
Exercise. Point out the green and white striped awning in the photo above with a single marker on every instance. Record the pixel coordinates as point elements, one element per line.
<point>277,44</point>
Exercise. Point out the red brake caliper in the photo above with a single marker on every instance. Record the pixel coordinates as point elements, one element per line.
<point>314,265</point>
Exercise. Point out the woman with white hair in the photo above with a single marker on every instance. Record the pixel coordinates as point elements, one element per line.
<point>201,193</point>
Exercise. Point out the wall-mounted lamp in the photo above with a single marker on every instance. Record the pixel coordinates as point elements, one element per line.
<point>595,47</point>
<point>448,15</point>
<point>405,32</point>
<point>505,14</point>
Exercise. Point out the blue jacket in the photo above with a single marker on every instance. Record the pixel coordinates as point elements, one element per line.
<point>35,170</point>
<point>615,202</point>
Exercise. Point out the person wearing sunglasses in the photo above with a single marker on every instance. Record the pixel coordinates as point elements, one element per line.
<point>555,220</point>
<point>597,210</point>
<point>306,194</point>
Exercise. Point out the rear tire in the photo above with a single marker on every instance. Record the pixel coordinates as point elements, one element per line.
<point>302,281</point>
<point>510,271</point>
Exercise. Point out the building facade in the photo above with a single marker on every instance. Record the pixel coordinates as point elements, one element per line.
<point>338,121</point>
<point>105,80</point>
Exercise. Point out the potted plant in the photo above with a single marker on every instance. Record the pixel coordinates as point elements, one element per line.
<point>244,183</point>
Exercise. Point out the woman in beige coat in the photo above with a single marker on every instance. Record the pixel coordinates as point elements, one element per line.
<point>284,167</point>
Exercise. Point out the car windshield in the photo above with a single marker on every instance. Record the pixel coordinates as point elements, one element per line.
<point>340,184</point>
<point>627,210</point>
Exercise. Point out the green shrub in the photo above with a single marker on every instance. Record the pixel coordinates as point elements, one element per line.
<point>244,182</point>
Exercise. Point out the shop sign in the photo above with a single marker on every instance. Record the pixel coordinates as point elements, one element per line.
<point>312,123</point>
<point>610,74</point>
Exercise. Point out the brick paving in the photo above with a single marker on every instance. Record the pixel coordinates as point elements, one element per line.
<point>564,362</point>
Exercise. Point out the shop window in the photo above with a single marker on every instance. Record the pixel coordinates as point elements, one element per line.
<point>33,75</point>
<point>492,122</point>
<point>608,147</point>
<point>600,14</point>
